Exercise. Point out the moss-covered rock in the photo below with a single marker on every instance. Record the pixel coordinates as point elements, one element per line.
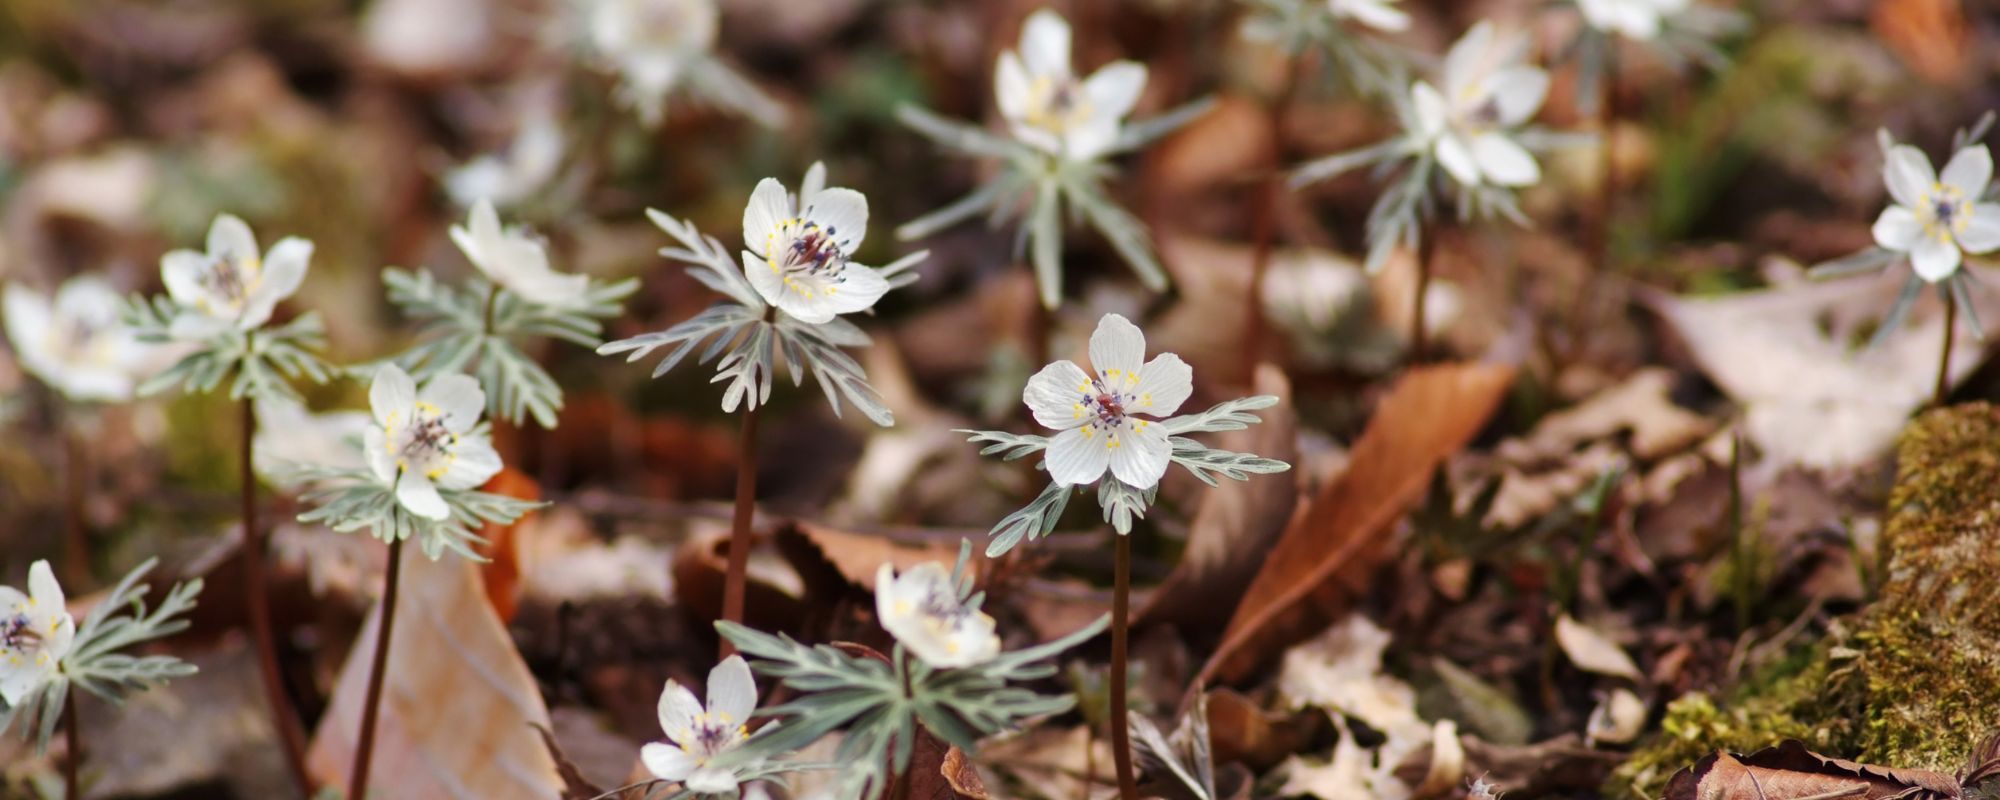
<point>1916,680</point>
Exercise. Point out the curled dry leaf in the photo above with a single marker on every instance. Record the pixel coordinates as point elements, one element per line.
<point>1591,651</point>
<point>699,569</point>
<point>963,777</point>
<point>1559,766</point>
<point>575,786</point>
<point>1235,523</point>
<point>1240,731</point>
<point>1789,771</point>
<point>1569,449</point>
<point>502,570</point>
<point>854,557</point>
<point>1328,553</point>
<point>1618,718</point>
<point>457,699</point>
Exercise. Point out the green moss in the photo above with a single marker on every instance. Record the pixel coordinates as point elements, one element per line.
<point>1915,682</point>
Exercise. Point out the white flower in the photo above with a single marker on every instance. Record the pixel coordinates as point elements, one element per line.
<point>1935,217</point>
<point>422,441</point>
<point>75,344</point>
<point>1098,412</point>
<point>1636,19</point>
<point>1487,93</point>
<point>516,260</point>
<point>36,631</point>
<point>1378,14</point>
<point>288,434</point>
<point>699,734</point>
<point>922,609</point>
<point>529,161</point>
<point>800,252</point>
<point>1048,107</point>
<point>231,286</point>
<point>651,43</point>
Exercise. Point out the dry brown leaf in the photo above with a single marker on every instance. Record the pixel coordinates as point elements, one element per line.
<point>827,559</point>
<point>963,777</point>
<point>700,566</point>
<point>502,570</point>
<point>1330,551</point>
<point>458,704</point>
<point>1931,36</point>
<point>1555,767</point>
<point>1569,449</point>
<point>1792,357</point>
<point>1235,523</point>
<point>1792,772</point>
<point>1239,731</point>
<point>575,786</point>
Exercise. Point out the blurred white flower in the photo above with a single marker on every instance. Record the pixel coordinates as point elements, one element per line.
<point>697,734</point>
<point>1936,219</point>
<point>514,174</point>
<point>290,435</point>
<point>923,610</point>
<point>651,43</point>
<point>36,631</point>
<point>1312,291</point>
<point>517,261</point>
<point>1488,92</point>
<point>232,286</point>
<point>1381,15</point>
<point>800,252</point>
<point>76,343</point>
<point>423,441</point>
<point>1048,107</point>
<point>1635,19</point>
<point>1097,413</point>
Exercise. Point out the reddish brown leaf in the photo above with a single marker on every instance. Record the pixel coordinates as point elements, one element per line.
<point>1930,36</point>
<point>699,568</point>
<point>1239,731</point>
<point>1327,555</point>
<point>813,550</point>
<point>1792,772</point>
<point>963,777</point>
<point>502,571</point>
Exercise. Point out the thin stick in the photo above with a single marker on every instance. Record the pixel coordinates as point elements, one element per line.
<point>284,719</point>
<point>364,744</point>
<point>1418,335</point>
<point>739,532</point>
<point>909,692</point>
<point>1599,228</point>
<point>76,533</point>
<point>1944,358</point>
<point>1121,734</point>
<point>72,786</point>
<point>1264,228</point>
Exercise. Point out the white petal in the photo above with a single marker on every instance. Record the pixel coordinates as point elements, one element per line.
<point>416,492</point>
<point>17,681</point>
<point>1637,21</point>
<point>732,692</point>
<point>42,587</point>
<point>475,463</point>
<point>29,320</point>
<point>458,397</point>
<point>860,286</point>
<point>1934,259</point>
<point>1091,138</point>
<point>230,237</point>
<point>1897,228</point>
<point>1518,93</point>
<point>1432,113</point>
<point>1055,395</point>
<point>1115,88</point>
<point>1139,454</point>
<point>59,634</point>
<point>1982,230</point>
<point>764,277</point>
<point>1378,15</point>
<point>1117,347</point>
<point>283,271</point>
<point>711,780</point>
<point>1908,174</point>
<point>666,762</point>
<point>1503,161</point>
<point>1011,86</point>
<point>813,183</point>
<point>1045,43</point>
<point>769,206</point>
<point>1464,63</point>
<point>89,299</point>
<point>1077,456</point>
<point>1038,138</point>
<point>806,300</point>
<point>1164,384</point>
<point>1969,170</point>
<point>678,710</point>
<point>1456,158</point>
<point>181,271</point>
<point>392,395</point>
<point>380,453</point>
<point>843,215</point>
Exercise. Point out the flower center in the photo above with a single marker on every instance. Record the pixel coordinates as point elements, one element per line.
<point>800,249</point>
<point>1056,104</point>
<point>425,445</point>
<point>17,635</point>
<point>1946,209</point>
<point>712,734</point>
<point>229,281</point>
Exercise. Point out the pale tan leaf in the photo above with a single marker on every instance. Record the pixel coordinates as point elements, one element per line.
<point>1591,651</point>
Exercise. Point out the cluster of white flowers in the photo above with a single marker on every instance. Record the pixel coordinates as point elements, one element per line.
<point>1048,107</point>
<point>75,343</point>
<point>1938,218</point>
<point>1489,92</point>
<point>659,46</point>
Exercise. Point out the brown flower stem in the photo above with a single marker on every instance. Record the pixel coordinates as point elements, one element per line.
<point>1263,232</point>
<point>1598,231</point>
<point>364,744</point>
<point>1121,734</point>
<point>492,301</point>
<point>739,531</point>
<point>1419,336</point>
<point>256,596</point>
<point>909,693</point>
<point>1041,324</point>
<point>76,532</point>
<point>73,761</point>
<point>1944,358</point>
